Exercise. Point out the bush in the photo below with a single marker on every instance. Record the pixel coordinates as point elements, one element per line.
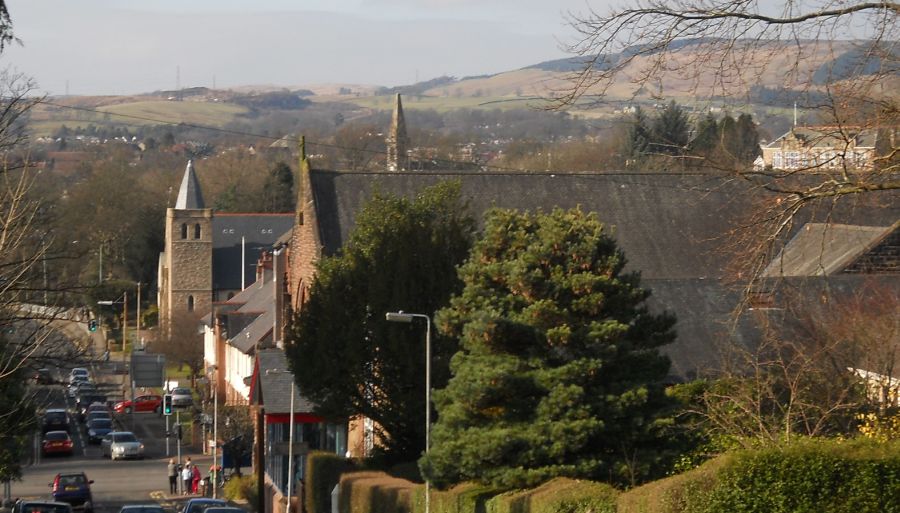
<point>242,488</point>
<point>561,495</point>
<point>825,476</point>
<point>323,471</point>
<point>377,492</point>
<point>464,498</point>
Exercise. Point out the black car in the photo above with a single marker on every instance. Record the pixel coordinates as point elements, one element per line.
<point>42,376</point>
<point>84,401</point>
<point>55,420</point>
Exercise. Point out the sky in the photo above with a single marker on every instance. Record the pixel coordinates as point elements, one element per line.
<point>91,47</point>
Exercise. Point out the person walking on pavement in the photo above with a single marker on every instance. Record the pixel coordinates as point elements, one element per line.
<point>186,476</point>
<point>173,477</point>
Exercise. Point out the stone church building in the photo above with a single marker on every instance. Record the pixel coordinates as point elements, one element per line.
<point>209,256</point>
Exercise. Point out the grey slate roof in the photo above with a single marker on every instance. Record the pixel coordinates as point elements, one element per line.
<point>672,228</point>
<point>249,315</point>
<point>260,231</point>
<point>189,195</point>
<point>274,387</point>
<point>823,249</point>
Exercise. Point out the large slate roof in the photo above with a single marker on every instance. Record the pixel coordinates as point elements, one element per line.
<point>260,232</point>
<point>275,385</point>
<point>672,228</point>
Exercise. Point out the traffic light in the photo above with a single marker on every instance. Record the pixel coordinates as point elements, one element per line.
<point>167,404</point>
<point>92,325</point>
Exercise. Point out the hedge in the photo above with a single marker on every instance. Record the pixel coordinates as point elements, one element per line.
<point>560,495</point>
<point>822,476</point>
<point>376,492</point>
<point>323,471</point>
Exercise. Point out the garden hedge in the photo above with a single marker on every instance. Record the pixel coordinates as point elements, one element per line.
<point>323,471</point>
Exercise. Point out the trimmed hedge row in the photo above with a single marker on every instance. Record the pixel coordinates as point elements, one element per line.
<point>323,471</point>
<point>822,476</point>
<point>813,476</point>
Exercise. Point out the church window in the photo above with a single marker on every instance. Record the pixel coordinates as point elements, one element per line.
<point>190,303</point>
<point>197,231</point>
<point>183,230</point>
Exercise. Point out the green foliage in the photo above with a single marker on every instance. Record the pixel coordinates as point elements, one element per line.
<point>464,498</point>
<point>827,476</point>
<point>402,255</point>
<point>242,488</point>
<point>377,492</point>
<point>17,417</point>
<point>638,140</point>
<point>557,496</point>
<point>559,370</point>
<point>323,471</point>
<point>670,131</point>
<point>279,189</point>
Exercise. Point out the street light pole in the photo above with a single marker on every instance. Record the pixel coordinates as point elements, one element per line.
<point>402,316</point>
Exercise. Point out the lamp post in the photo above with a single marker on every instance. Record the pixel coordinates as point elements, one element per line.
<point>402,316</point>
<point>215,385</point>
<point>124,301</point>
<point>290,482</point>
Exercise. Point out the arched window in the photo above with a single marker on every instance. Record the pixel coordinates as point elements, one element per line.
<point>197,231</point>
<point>190,303</point>
<point>183,230</point>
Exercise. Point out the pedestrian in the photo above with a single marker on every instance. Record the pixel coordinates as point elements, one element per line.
<point>195,479</point>
<point>173,477</point>
<point>186,476</point>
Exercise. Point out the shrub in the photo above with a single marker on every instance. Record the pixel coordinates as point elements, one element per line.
<point>242,488</point>
<point>323,471</point>
<point>561,495</point>
<point>376,492</point>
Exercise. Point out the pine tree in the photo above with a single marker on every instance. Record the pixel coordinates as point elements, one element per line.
<point>558,372</point>
<point>401,255</point>
<point>279,189</point>
<point>706,138</point>
<point>748,136</point>
<point>638,142</point>
<point>670,131</point>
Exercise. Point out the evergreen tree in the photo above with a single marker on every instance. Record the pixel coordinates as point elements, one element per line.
<point>638,138</point>
<point>706,138</point>
<point>558,372</point>
<point>669,131</point>
<point>748,136</point>
<point>279,189</point>
<point>346,358</point>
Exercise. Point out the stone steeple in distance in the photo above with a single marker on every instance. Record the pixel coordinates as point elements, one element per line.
<point>189,195</point>
<point>397,140</point>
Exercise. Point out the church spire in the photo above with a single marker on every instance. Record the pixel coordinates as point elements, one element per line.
<point>397,140</point>
<point>189,196</point>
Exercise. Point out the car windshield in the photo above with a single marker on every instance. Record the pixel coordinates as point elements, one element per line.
<point>196,506</point>
<point>141,509</point>
<point>181,391</point>
<point>45,508</point>
<point>124,437</point>
<point>99,415</point>
<point>55,416</point>
<point>72,479</point>
<point>56,435</point>
<point>101,424</point>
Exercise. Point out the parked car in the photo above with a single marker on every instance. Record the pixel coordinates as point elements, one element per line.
<point>142,508</point>
<point>26,506</point>
<point>84,402</point>
<point>73,488</point>
<point>55,420</point>
<point>97,429</point>
<point>182,396</point>
<point>141,404</point>
<point>119,445</point>
<point>56,442</point>
<point>223,509</point>
<point>98,415</point>
<point>200,505</point>
<point>42,376</point>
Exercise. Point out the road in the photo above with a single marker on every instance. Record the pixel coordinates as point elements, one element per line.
<point>115,483</point>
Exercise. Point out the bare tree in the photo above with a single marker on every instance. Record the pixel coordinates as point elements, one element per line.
<point>183,343</point>
<point>722,48</point>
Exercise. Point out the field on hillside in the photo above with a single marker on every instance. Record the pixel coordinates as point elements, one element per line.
<point>438,103</point>
<point>47,119</point>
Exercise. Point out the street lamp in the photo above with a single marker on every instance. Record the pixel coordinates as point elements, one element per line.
<point>215,384</point>
<point>402,316</point>
<point>124,301</point>
<point>290,482</point>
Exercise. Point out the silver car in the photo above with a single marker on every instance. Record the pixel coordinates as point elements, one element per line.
<point>182,397</point>
<point>120,445</point>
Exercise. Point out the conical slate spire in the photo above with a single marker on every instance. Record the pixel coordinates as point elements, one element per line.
<point>189,195</point>
<point>397,140</point>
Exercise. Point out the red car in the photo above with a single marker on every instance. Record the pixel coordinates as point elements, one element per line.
<point>56,442</point>
<point>142,403</point>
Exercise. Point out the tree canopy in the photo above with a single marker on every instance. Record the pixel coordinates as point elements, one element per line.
<point>402,255</point>
<point>558,372</point>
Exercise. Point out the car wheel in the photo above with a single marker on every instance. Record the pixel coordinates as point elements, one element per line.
<point>128,409</point>
<point>158,409</point>
<point>88,507</point>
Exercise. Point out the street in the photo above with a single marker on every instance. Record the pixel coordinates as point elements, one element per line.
<point>115,482</point>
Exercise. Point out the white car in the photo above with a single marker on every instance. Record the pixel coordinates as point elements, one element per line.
<point>181,397</point>
<point>79,374</point>
<point>81,387</point>
<point>120,445</point>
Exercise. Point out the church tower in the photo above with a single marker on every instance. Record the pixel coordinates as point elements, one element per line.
<point>186,284</point>
<point>397,140</point>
